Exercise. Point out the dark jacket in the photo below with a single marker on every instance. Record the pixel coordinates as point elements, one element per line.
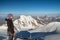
<point>10,25</point>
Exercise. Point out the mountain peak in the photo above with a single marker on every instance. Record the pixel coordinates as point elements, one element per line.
<point>26,22</point>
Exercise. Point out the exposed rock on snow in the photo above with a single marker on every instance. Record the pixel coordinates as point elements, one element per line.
<point>40,20</point>
<point>26,22</point>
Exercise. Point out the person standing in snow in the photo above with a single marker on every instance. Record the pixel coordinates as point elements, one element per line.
<point>10,29</point>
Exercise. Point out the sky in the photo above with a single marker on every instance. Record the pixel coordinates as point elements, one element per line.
<point>30,7</point>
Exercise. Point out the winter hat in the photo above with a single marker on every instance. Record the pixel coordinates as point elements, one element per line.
<point>10,15</point>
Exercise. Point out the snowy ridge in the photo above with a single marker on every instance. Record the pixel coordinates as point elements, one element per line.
<point>26,22</point>
<point>48,28</point>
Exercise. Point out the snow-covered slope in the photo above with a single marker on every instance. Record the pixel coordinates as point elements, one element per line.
<point>53,26</point>
<point>26,22</point>
<point>3,32</point>
<point>52,37</point>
